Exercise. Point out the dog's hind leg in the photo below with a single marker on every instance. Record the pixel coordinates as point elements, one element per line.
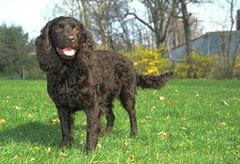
<point>127,98</point>
<point>110,120</point>
<point>110,117</point>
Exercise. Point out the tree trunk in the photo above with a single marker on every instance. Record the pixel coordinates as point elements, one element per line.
<point>189,48</point>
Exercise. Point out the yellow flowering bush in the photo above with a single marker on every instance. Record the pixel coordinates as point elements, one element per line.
<point>203,66</point>
<point>148,61</point>
<point>237,66</point>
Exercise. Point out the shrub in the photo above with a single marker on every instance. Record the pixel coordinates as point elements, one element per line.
<point>237,66</point>
<point>203,66</point>
<point>148,61</point>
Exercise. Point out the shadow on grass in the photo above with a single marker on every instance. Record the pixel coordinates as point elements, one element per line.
<point>33,132</point>
<point>41,134</point>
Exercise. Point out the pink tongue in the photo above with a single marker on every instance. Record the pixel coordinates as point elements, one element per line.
<point>68,51</point>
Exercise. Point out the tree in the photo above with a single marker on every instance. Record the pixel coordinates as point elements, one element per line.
<point>106,15</point>
<point>117,25</point>
<point>160,15</point>
<point>103,17</point>
<point>188,37</point>
<point>14,51</point>
<point>229,53</point>
<point>186,19</point>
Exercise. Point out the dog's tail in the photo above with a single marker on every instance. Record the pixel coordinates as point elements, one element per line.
<point>151,81</point>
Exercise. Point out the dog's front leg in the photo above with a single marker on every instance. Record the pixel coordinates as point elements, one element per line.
<point>93,128</point>
<point>66,120</point>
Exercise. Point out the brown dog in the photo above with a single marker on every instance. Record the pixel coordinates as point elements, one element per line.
<point>80,77</point>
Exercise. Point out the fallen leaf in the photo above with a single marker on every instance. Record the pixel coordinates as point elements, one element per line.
<point>131,158</point>
<point>197,94</point>
<point>183,128</point>
<point>15,157</point>
<point>99,146</point>
<point>223,102</point>
<point>153,108</point>
<point>169,102</point>
<point>29,115</point>
<point>49,149</point>
<point>183,118</point>
<point>55,121</point>
<point>148,117</point>
<point>2,121</point>
<point>126,143</point>
<point>143,120</point>
<point>17,107</point>
<point>62,154</point>
<point>161,98</point>
<point>222,123</point>
<point>164,135</point>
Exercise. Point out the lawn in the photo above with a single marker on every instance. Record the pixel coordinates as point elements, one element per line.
<point>187,121</point>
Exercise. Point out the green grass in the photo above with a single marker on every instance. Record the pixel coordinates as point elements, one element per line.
<point>188,121</point>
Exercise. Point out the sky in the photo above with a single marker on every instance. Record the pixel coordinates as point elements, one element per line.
<point>30,14</point>
<point>26,13</point>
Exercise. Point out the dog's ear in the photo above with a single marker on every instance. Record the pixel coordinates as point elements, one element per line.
<point>86,42</point>
<point>44,50</point>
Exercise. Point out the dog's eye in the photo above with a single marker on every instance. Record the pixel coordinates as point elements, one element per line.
<point>74,26</point>
<point>76,30</point>
<point>61,25</point>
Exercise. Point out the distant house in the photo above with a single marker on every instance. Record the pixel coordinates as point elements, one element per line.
<point>211,43</point>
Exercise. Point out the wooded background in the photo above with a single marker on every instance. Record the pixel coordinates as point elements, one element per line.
<point>120,26</point>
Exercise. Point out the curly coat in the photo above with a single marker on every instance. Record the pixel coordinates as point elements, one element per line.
<point>80,77</point>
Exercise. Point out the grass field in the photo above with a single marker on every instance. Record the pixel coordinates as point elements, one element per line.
<point>188,121</point>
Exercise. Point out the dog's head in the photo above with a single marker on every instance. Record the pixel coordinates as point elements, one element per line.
<point>62,38</point>
<point>63,34</point>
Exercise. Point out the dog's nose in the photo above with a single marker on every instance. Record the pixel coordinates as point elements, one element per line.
<point>71,38</point>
